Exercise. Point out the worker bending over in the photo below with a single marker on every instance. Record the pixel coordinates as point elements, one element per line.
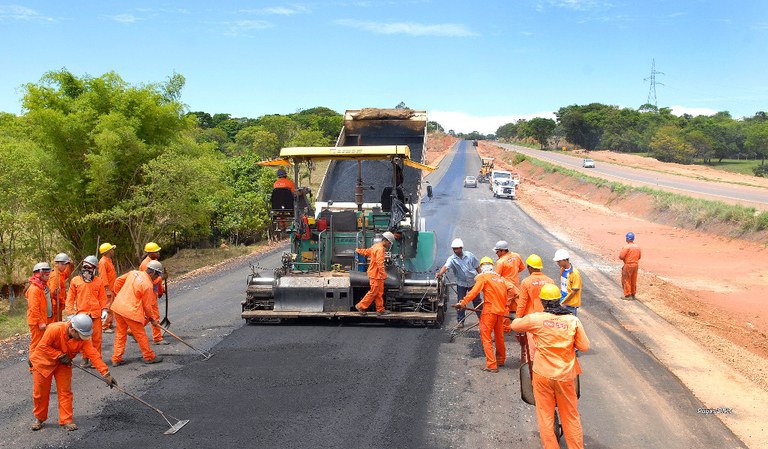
<point>52,358</point>
<point>497,293</point>
<point>556,334</point>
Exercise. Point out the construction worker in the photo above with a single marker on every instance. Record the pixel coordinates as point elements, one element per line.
<point>630,255</point>
<point>283,182</point>
<point>497,292</point>
<point>87,295</point>
<point>556,333</point>
<point>40,304</point>
<point>53,359</point>
<point>132,307</point>
<point>108,274</point>
<point>528,301</point>
<point>153,253</point>
<point>465,267</point>
<point>570,282</point>
<point>376,274</point>
<point>509,265</point>
<point>62,268</point>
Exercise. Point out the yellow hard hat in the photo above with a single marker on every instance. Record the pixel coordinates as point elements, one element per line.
<point>104,247</point>
<point>486,260</point>
<point>549,292</point>
<point>151,247</point>
<point>534,261</point>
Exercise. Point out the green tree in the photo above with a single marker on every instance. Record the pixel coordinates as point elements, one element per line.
<point>757,139</point>
<point>507,131</point>
<point>258,141</point>
<point>668,145</point>
<point>434,126</point>
<point>540,129</point>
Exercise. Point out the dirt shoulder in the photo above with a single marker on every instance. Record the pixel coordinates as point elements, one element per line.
<point>708,286</point>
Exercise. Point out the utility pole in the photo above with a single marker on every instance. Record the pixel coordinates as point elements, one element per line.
<point>652,90</point>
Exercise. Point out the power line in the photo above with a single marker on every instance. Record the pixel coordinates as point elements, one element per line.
<point>652,89</point>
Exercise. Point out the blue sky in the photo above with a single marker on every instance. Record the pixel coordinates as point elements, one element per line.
<point>474,65</point>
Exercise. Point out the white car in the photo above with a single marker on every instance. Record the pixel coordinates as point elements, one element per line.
<point>588,163</point>
<point>470,181</point>
<point>504,189</point>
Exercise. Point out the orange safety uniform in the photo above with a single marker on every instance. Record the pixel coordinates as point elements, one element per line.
<point>509,267</point>
<point>496,294</point>
<point>57,283</point>
<point>46,366</point>
<point>529,301</point>
<point>89,298</point>
<point>108,274</point>
<point>555,367</point>
<point>376,276</point>
<point>157,286</point>
<point>132,307</point>
<point>630,254</point>
<point>41,310</point>
<point>284,183</point>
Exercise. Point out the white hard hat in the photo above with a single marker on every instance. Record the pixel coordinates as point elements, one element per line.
<point>61,257</point>
<point>155,266</point>
<point>389,236</point>
<point>41,266</point>
<point>91,260</point>
<point>457,243</point>
<point>501,244</point>
<point>83,324</point>
<point>561,254</point>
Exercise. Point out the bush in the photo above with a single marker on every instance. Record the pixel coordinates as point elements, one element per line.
<point>519,158</point>
<point>761,171</point>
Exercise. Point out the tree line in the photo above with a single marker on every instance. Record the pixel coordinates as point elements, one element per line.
<point>94,158</point>
<point>655,131</point>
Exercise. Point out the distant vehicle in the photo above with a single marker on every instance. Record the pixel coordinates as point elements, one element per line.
<point>474,143</point>
<point>505,189</point>
<point>470,181</point>
<point>588,163</point>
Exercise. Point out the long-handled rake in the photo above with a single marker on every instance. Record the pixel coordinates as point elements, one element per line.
<point>174,427</point>
<point>463,331</point>
<point>206,355</point>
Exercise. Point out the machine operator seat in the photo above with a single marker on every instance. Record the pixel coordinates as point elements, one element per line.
<point>281,199</point>
<point>386,198</point>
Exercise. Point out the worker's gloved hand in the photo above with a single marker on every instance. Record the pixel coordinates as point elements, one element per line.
<point>110,380</point>
<point>458,306</point>
<point>103,314</point>
<point>65,359</point>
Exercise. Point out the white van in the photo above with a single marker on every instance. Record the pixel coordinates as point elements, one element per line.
<point>504,188</point>
<point>499,175</point>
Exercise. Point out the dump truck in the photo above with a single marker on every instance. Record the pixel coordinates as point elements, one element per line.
<point>373,184</point>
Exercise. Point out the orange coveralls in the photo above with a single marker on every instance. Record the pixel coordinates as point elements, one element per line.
<point>496,293</point>
<point>284,183</point>
<point>57,283</point>
<point>509,267</point>
<point>132,306</point>
<point>46,367</point>
<point>554,367</point>
<point>528,301</point>
<point>630,254</point>
<point>89,298</point>
<point>376,276</point>
<point>108,274</point>
<point>157,287</point>
<point>38,295</point>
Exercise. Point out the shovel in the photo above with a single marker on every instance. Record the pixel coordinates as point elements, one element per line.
<point>174,427</point>
<point>166,323</point>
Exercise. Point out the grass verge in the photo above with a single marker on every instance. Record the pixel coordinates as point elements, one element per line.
<point>14,321</point>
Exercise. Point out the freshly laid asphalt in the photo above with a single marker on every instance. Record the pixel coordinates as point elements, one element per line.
<point>320,383</point>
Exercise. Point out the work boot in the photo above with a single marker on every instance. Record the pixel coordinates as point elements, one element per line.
<point>69,427</point>
<point>108,330</point>
<point>162,342</point>
<point>628,297</point>
<point>633,297</point>
<point>491,370</point>
<point>383,312</point>
<point>37,425</point>
<point>119,362</point>
<point>157,359</point>
<point>362,312</point>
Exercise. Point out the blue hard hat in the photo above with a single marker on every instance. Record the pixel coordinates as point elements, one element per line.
<point>281,172</point>
<point>630,236</point>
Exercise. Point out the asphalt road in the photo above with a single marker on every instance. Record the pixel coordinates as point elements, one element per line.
<point>728,193</point>
<point>344,385</point>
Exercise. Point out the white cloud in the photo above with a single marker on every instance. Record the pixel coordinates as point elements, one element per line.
<point>124,18</point>
<point>465,123</point>
<point>409,28</point>
<point>16,12</point>
<point>242,27</point>
<point>279,10</point>
<point>680,110</point>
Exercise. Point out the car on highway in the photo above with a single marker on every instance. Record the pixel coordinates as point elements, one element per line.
<point>588,163</point>
<point>470,181</point>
